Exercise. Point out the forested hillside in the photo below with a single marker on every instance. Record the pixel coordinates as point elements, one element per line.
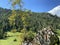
<point>36,21</point>
<point>26,21</point>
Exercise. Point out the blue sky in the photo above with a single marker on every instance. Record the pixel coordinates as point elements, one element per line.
<point>34,5</point>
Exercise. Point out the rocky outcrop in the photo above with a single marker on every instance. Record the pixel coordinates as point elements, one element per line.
<point>44,37</point>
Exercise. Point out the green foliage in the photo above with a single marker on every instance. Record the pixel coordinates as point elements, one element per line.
<point>58,32</point>
<point>30,35</point>
<point>13,30</point>
<point>16,2</point>
<point>12,18</point>
<point>27,20</point>
<point>54,39</point>
<point>23,31</point>
<point>15,40</point>
<point>1,33</point>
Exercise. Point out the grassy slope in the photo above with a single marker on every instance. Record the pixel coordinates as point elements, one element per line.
<point>10,40</point>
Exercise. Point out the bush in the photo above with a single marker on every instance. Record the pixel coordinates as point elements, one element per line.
<point>5,35</point>
<point>23,31</point>
<point>54,40</point>
<point>15,39</point>
<point>30,35</point>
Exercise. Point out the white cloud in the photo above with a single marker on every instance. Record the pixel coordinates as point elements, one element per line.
<point>55,11</point>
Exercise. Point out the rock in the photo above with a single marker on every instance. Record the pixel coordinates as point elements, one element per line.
<point>43,37</point>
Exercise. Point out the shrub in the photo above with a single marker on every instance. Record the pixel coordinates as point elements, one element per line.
<point>30,35</point>
<point>15,39</point>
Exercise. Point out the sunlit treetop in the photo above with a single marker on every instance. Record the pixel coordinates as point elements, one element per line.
<point>16,2</point>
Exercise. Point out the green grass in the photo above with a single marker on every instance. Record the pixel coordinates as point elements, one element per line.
<point>10,40</point>
<point>18,36</point>
<point>58,32</point>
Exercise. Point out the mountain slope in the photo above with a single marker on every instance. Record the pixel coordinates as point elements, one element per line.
<point>35,22</point>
